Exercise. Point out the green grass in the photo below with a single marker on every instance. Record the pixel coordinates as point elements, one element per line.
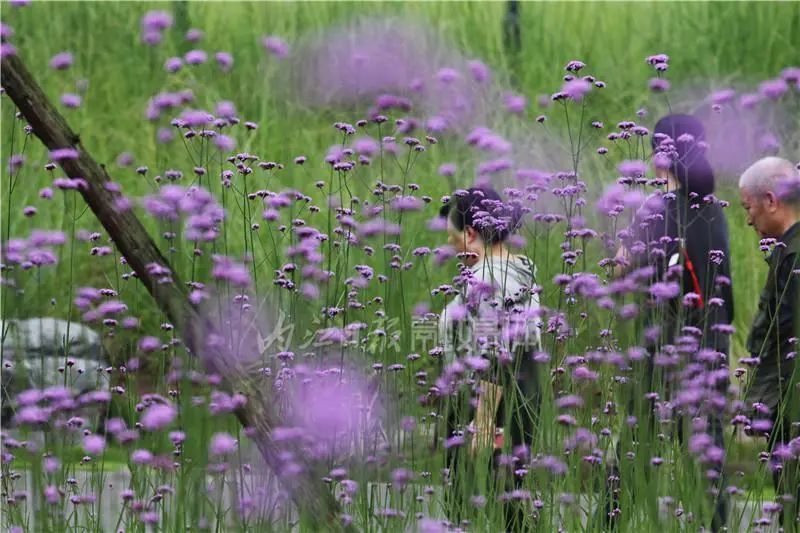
<point>711,45</point>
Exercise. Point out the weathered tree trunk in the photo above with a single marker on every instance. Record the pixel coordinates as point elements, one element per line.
<point>312,498</point>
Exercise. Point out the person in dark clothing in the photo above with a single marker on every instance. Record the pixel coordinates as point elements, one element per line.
<point>690,242</point>
<point>684,243</point>
<point>770,194</point>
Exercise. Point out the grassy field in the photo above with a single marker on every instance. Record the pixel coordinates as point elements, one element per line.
<point>711,46</point>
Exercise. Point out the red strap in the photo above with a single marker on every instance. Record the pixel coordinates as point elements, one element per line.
<point>697,290</point>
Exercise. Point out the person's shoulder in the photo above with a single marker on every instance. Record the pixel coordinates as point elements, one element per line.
<point>525,266</point>
<point>788,263</point>
<point>481,268</point>
<point>790,258</point>
<point>793,242</point>
<point>509,269</point>
<point>523,259</point>
<point>715,211</point>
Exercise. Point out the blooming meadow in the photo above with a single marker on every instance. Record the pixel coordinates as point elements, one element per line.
<point>293,182</point>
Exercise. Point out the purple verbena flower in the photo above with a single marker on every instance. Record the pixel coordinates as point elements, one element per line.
<point>7,49</point>
<point>664,290</point>
<point>194,35</point>
<point>574,66</point>
<point>195,57</point>
<point>658,85</point>
<point>224,60</point>
<point>515,103</point>
<point>156,21</point>
<point>480,72</point>
<point>222,444</point>
<point>6,31</point>
<point>94,444</point>
<point>224,143</point>
<point>276,46</point>
<point>656,59</point>
<point>576,89</point>
<point>61,61</point>
<point>158,417</point>
<point>173,64</point>
<point>723,96</point>
<point>71,100</point>
<point>773,89</point>
<point>632,168</point>
<point>226,269</point>
<point>141,457</point>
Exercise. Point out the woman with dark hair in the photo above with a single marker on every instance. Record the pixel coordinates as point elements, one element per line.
<point>686,246</point>
<point>490,327</point>
<point>689,242</point>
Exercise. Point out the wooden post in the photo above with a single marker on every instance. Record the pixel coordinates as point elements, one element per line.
<point>314,500</point>
<point>511,37</point>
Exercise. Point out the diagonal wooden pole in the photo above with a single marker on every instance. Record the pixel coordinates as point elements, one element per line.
<point>313,499</point>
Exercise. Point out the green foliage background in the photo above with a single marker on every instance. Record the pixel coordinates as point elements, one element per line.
<point>711,44</point>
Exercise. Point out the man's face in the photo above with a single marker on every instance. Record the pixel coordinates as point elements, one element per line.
<point>761,213</point>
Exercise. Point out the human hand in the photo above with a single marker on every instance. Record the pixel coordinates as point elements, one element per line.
<point>484,436</point>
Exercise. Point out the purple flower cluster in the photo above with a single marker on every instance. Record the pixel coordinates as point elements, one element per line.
<point>276,46</point>
<point>36,251</point>
<point>203,215</point>
<point>344,254</point>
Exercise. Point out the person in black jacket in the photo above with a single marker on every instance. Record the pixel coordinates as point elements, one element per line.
<point>689,243</point>
<point>770,194</point>
<point>686,245</point>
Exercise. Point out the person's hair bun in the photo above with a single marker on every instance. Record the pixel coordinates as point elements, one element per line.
<point>682,138</point>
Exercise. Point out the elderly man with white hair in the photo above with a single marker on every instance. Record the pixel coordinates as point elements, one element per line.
<point>770,194</point>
